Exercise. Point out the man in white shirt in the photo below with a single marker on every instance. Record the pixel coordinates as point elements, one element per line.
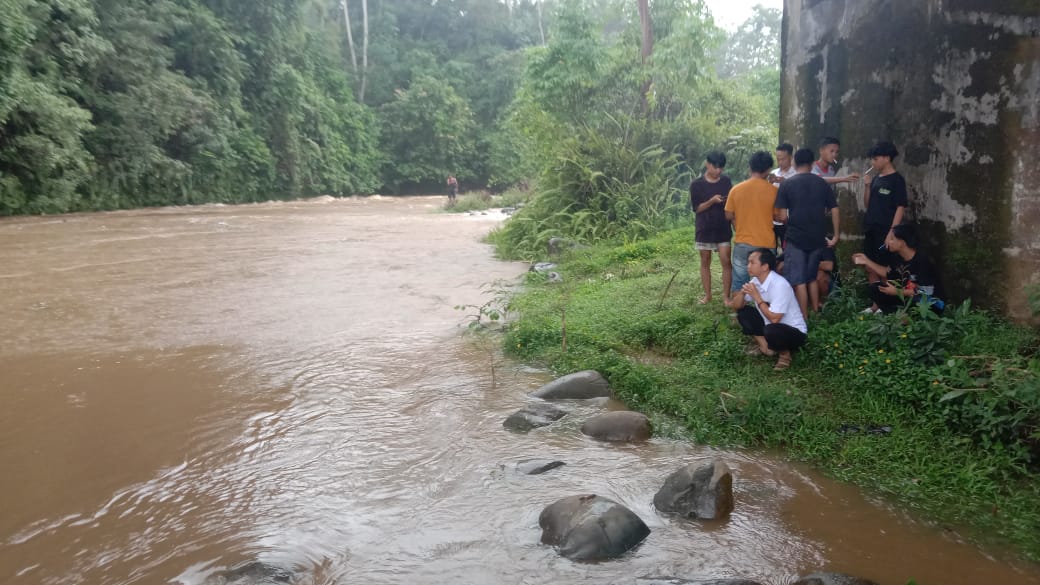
<point>784,169</point>
<point>775,318</point>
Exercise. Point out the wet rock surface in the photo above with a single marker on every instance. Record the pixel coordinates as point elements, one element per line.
<point>832,579</point>
<point>591,528</point>
<point>533,416</point>
<point>618,426</point>
<point>537,466</point>
<point>697,491</point>
<point>579,385</point>
<point>253,573</point>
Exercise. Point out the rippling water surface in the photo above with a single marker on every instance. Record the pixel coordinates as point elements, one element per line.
<point>188,389</point>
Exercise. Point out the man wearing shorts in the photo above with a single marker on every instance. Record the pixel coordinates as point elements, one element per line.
<point>750,208</point>
<point>708,195</point>
<point>804,201</point>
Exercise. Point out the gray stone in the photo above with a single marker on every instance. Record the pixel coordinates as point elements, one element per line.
<point>618,425</point>
<point>251,573</point>
<point>533,416</point>
<point>579,385</point>
<point>704,492</point>
<point>542,267</point>
<point>832,579</point>
<point>591,528</point>
<point>537,466</point>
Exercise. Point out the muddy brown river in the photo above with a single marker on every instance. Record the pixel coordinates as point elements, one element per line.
<point>188,389</point>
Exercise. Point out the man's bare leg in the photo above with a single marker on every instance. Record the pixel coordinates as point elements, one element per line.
<point>801,291</point>
<point>762,345</point>
<point>725,258</point>
<point>706,276</point>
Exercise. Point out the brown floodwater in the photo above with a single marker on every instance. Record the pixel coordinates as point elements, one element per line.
<point>187,389</point>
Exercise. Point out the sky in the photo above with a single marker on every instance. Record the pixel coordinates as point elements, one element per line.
<point>729,14</point>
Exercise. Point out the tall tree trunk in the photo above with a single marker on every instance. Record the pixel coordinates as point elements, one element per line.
<point>364,50</point>
<point>647,50</point>
<point>540,30</point>
<point>350,35</point>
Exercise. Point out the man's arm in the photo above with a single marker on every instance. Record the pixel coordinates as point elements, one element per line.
<point>730,216</point>
<point>860,259</point>
<point>898,218</point>
<point>716,200</point>
<point>845,179</point>
<point>836,221</point>
<point>780,214</point>
<point>756,296</point>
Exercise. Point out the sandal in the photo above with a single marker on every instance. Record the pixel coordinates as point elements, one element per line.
<point>783,363</point>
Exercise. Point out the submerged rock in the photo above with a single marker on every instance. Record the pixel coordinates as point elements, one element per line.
<point>537,466</point>
<point>251,573</point>
<point>677,581</point>
<point>542,267</point>
<point>832,579</point>
<point>619,425</point>
<point>704,492</point>
<point>591,528</point>
<point>533,416</point>
<point>579,385</point>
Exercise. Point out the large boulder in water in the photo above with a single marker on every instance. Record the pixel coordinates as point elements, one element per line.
<point>591,528</point>
<point>579,385</point>
<point>618,425</point>
<point>533,416</point>
<point>704,492</point>
<point>832,579</point>
<point>251,573</point>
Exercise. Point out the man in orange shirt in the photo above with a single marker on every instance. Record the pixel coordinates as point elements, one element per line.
<point>750,208</point>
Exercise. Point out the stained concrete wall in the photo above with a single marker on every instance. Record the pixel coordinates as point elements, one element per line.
<point>955,84</point>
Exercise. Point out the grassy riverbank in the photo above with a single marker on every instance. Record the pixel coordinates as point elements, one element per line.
<point>939,414</point>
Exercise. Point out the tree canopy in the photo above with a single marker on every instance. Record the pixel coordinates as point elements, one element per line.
<point>124,103</point>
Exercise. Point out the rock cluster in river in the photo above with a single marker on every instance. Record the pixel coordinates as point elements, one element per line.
<point>589,527</point>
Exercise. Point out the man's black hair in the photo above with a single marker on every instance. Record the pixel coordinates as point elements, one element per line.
<point>765,256</point>
<point>906,232</point>
<point>716,158</point>
<point>761,162</point>
<point>883,148</point>
<point>827,140</point>
<point>803,157</point>
<point>786,147</point>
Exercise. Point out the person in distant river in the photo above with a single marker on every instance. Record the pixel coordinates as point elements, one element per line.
<point>453,189</point>
<point>708,195</point>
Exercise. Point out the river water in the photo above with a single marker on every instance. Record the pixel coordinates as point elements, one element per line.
<point>188,389</point>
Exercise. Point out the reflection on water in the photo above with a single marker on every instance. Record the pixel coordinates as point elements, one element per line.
<point>188,389</point>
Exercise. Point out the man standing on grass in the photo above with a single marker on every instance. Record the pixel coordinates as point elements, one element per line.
<point>784,169</point>
<point>750,208</point>
<point>708,195</point>
<point>804,201</point>
<point>884,197</point>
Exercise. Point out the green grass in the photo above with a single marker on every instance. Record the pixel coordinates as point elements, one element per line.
<point>961,393</point>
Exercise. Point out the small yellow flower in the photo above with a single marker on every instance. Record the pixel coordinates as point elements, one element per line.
<point>864,361</point>
<point>841,365</point>
<point>888,361</point>
<point>705,353</point>
<point>903,336</point>
<point>935,382</point>
<point>881,351</point>
<point>835,344</point>
<point>861,318</point>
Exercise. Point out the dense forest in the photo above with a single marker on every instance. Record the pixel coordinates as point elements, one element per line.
<point>110,104</point>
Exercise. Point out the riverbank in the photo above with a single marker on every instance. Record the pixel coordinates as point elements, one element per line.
<point>937,414</point>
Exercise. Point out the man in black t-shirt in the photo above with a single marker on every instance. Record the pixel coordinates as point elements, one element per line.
<point>910,276</point>
<point>805,200</point>
<point>708,197</point>
<point>884,197</point>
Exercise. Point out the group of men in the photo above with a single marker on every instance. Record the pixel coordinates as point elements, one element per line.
<point>793,207</point>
